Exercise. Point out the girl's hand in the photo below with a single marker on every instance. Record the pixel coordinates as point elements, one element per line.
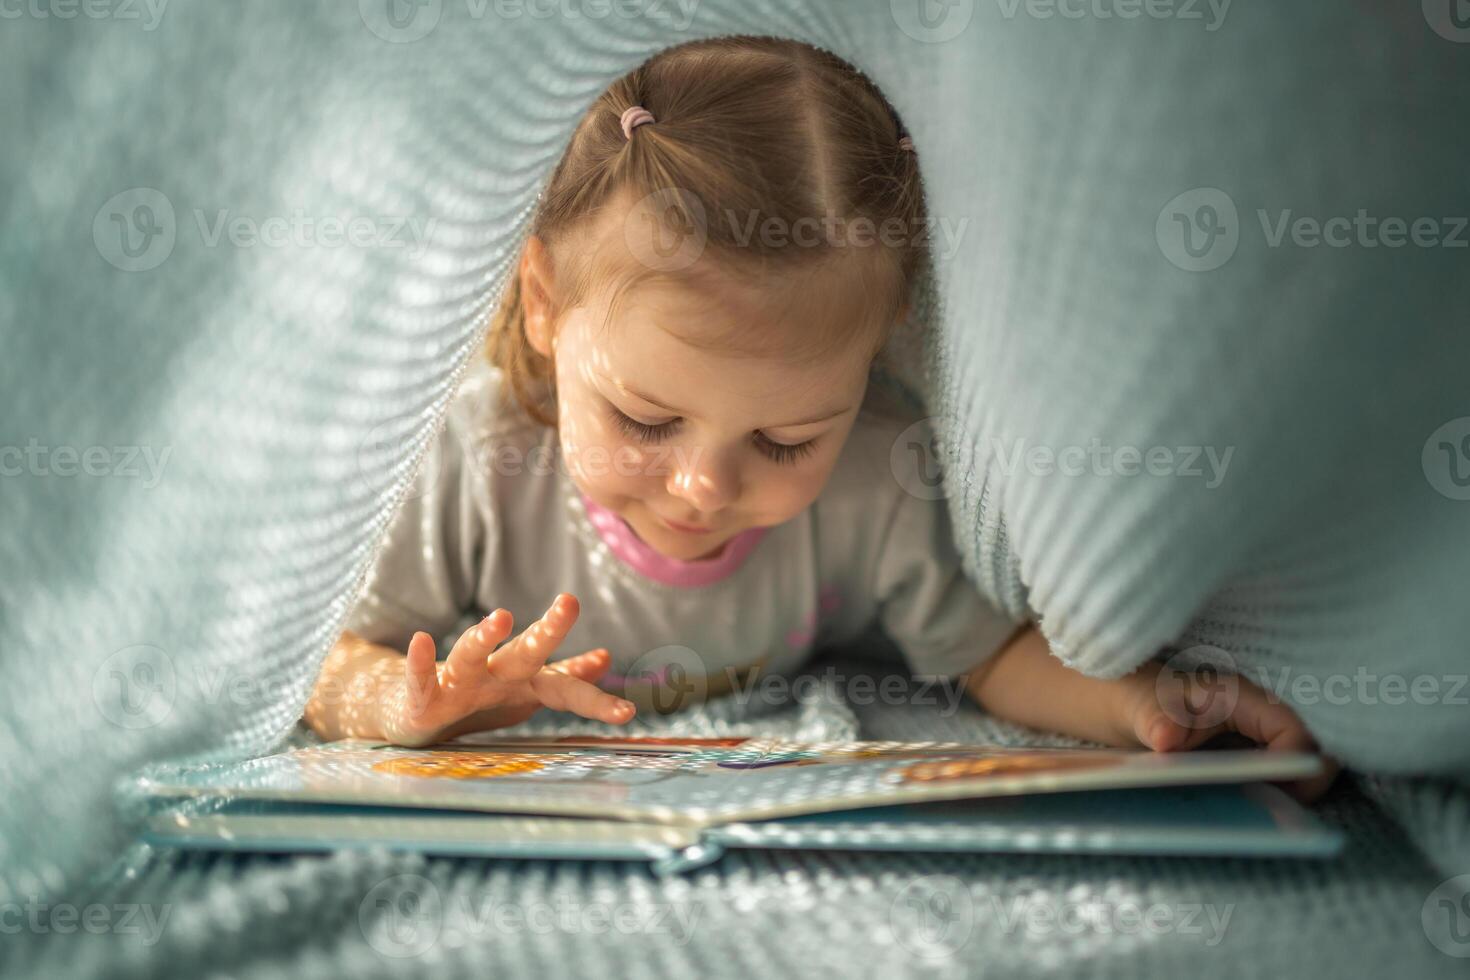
<point>479,687</point>
<point>1172,717</point>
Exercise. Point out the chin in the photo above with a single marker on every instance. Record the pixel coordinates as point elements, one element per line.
<point>672,544</point>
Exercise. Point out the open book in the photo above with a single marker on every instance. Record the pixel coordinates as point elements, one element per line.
<point>682,800</point>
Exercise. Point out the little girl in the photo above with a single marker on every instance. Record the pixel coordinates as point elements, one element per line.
<point>677,442</point>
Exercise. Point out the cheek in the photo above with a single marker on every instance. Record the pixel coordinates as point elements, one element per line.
<point>784,492</point>
<point>605,463</point>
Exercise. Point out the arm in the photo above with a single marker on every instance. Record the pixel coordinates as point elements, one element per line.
<point>1024,683</point>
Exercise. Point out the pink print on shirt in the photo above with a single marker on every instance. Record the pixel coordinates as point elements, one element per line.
<point>640,556</point>
<point>828,602</point>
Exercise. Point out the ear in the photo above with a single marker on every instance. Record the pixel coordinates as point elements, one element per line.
<point>536,283</point>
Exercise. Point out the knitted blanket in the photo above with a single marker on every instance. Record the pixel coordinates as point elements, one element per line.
<point>1194,350</point>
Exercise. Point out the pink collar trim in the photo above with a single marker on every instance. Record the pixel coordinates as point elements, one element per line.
<point>637,554</point>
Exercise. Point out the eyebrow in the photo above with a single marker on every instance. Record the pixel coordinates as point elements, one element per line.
<point>785,425</point>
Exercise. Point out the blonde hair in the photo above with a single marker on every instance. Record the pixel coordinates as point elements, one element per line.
<point>755,128</point>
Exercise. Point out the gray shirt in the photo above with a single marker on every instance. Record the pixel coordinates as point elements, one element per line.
<point>493,520</point>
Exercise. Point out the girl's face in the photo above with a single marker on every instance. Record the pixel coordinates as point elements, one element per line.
<point>692,446</point>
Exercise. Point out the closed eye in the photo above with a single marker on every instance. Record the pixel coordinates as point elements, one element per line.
<point>777,452</point>
<point>642,431</point>
<point>782,453</point>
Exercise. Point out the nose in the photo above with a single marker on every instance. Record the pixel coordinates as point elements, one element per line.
<point>707,479</point>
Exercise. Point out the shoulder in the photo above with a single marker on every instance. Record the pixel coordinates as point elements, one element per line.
<point>488,448</point>
<point>482,412</point>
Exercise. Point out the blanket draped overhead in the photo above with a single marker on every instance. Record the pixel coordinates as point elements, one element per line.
<point>1197,357</point>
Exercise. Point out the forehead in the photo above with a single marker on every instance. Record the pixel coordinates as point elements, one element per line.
<point>802,303</point>
<point>774,337</point>
<point>653,342</point>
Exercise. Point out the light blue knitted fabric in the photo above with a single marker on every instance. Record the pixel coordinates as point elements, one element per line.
<point>257,407</point>
<point>777,913</point>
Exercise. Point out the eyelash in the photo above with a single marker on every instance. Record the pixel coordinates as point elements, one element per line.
<point>775,451</point>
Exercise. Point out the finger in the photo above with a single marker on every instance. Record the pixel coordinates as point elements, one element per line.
<point>1269,723</point>
<point>1163,731</point>
<point>1168,722</point>
<point>562,692</point>
<point>420,674</point>
<point>1280,729</point>
<point>589,666</point>
<point>520,659</point>
<point>1160,732</point>
<point>475,644</point>
<point>1308,790</point>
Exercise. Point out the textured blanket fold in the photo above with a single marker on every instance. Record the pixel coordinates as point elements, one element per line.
<point>1185,394</point>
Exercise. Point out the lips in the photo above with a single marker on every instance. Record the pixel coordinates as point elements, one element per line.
<point>686,528</point>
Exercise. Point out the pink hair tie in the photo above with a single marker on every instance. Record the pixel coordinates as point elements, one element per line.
<point>904,143</point>
<point>633,117</point>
